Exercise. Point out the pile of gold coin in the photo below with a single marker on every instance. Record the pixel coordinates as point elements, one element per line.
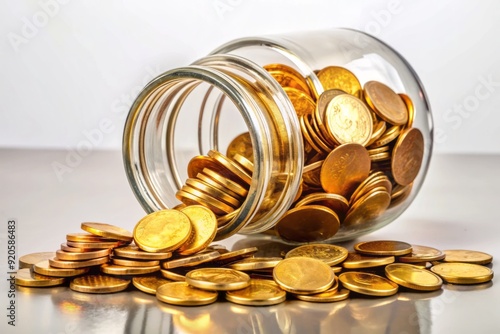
<point>362,155</point>
<point>172,257</point>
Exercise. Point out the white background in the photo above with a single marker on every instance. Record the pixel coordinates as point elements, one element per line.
<point>68,66</point>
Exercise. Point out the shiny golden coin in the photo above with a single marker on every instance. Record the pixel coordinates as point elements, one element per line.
<point>313,138</point>
<point>43,268</point>
<point>113,269</point>
<point>181,293</point>
<point>359,261</point>
<point>422,254</point>
<point>389,135</point>
<point>204,228</point>
<point>149,284</point>
<point>466,256</point>
<point>338,203</point>
<point>413,277</point>
<point>383,248</point>
<point>320,112</point>
<point>29,260</point>
<point>287,76</point>
<point>213,183</point>
<point>309,223</point>
<point>374,179</point>
<point>386,103</point>
<point>66,248</point>
<point>255,263</point>
<point>337,270</point>
<point>238,174</point>
<point>225,182</point>
<point>378,130</point>
<point>85,237</point>
<point>77,264</point>
<point>162,231</point>
<point>24,277</point>
<point>173,276</point>
<point>192,196</point>
<point>73,256</point>
<point>87,246</point>
<point>303,275</point>
<point>407,156</point>
<point>198,163</point>
<point>220,279</point>
<point>302,102</point>
<point>368,284</point>
<point>244,162</point>
<point>329,296</point>
<point>344,169</point>
<point>108,231</point>
<point>368,207</point>
<point>235,255</point>
<point>335,77</point>
<point>384,156</point>
<point>463,273</point>
<point>330,254</point>
<point>134,263</point>
<point>260,292</point>
<point>349,120</point>
<point>411,109</point>
<point>192,260</point>
<point>242,145</point>
<point>98,284</point>
<point>135,253</point>
<point>211,191</point>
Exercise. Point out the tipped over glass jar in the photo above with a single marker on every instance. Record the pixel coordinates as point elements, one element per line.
<point>318,136</point>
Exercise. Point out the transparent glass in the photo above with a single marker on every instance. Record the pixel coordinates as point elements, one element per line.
<point>187,111</point>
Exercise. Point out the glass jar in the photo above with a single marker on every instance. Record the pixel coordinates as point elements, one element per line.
<point>190,110</point>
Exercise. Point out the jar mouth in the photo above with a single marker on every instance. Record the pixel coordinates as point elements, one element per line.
<point>154,165</point>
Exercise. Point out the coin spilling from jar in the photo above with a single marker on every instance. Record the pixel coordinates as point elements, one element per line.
<point>362,155</point>
<point>193,271</point>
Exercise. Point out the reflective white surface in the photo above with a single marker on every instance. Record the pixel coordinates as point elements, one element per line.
<point>456,209</point>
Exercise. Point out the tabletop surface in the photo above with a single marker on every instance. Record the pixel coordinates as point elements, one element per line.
<point>455,209</point>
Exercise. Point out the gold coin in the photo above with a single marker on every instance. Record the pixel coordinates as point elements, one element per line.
<point>302,102</point>
<point>463,273</point>
<point>235,255</point>
<point>320,112</point>
<point>368,284</point>
<point>25,277</point>
<point>134,252</point>
<point>330,254</point>
<point>329,296</point>
<point>78,264</point>
<point>225,182</point>
<point>98,284</point>
<point>386,103</point>
<point>380,156</point>
<point>211,191</point>
<point>85,237</point>
<point>260,292</point>
<point>255,263</point>
<point>287,76</point>
<point>66,248</point>
<point>411,109</point>
<point>173,276</point>
<point>149,284</point>
<point>87,246</point>
<point>368,207</point>
<point>113,269</point>
<point>388,136</point>
<point>466,256</point>
<point>303,275</point>
<point>73,256</point>
<point>204,228</point>
<point>192,260</point>
<point>213,183</point>
<point>220,279</point>
<point>375,179</point>
<point>422,254</point>
<point>244,162</point>
<point>344,169</point>
<point>199,162</point>
<point>348,120</point>
<point>308,224</point>
<point>108,231</point>
<point>407,156</point>
<point>238,174</point>
<point>335,77</point>
<point>242,145</point>
<point>162,231</point>
<point>311,137</point>
<point>29,260</point>
<point>413,277</point>
<point>383,248</point>
<point>43,268</point>
<point>195,197</point>
<point>338,203</point>
<point>359,261</point>
<point>134,263</point>
<point>181,293</point>
<point>378,130</point>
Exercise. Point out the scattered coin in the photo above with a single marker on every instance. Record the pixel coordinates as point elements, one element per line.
<point>368,284</point>
<point>260,292</point>
<point>98,284</point>
<point>467,256</point>
<point>220,279</point>
<point>463,273</point>
<point>181,293</point>
<point>413,277</point>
